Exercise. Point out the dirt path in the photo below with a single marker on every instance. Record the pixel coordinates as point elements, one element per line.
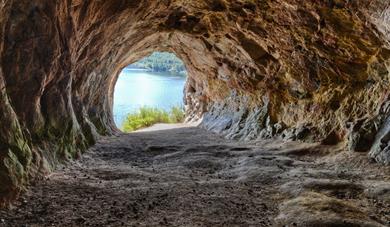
<point>186,176</point>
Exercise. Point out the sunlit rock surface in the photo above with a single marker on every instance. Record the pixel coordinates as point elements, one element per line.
<point>297,69</point>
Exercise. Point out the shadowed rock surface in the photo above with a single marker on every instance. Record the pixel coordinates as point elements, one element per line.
<point>294,69</point>
<point>190,177</point>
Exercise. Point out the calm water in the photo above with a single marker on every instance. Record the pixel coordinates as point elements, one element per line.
<point>137,88</point>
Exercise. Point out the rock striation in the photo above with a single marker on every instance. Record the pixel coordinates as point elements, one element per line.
<point>301,70</point>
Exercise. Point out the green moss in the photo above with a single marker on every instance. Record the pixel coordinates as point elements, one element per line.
<point>15,168</point>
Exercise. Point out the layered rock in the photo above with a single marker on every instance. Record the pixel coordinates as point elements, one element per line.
<point>310,70</point>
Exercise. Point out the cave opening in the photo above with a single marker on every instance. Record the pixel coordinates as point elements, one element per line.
<point>292,100</point>
<point>150,91</point>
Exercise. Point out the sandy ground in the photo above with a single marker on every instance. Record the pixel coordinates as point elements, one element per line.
<point>161,127</point>
<point>176,175</point>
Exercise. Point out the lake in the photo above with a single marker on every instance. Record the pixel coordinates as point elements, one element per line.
<point>136,88</point>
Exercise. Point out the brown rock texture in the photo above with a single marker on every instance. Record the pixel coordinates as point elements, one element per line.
<point>308,70</point>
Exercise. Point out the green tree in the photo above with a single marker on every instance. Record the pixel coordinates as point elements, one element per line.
<point>161,62</point>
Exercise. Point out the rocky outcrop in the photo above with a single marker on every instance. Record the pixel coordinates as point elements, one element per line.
<point>310,70</point>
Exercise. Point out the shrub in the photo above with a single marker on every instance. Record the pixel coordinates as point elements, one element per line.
<point>177,114</point>
<point>148,116</point>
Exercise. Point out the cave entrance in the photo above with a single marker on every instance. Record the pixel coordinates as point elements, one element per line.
<point>150,91</point>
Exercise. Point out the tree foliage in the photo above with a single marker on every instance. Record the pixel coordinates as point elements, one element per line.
<point>161,62</point>
<point>148,116</point>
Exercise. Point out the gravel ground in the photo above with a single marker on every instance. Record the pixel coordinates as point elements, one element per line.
<point>186,176</point>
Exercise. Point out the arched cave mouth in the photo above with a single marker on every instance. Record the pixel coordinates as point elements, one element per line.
<point>256,69</point>
<point>148,88</point>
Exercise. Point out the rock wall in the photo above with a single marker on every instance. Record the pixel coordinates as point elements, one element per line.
<point>311,70</point>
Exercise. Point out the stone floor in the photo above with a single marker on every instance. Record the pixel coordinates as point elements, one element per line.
<point>186,176</point>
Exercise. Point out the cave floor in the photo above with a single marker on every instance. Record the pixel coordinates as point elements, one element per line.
<point>186,176</point>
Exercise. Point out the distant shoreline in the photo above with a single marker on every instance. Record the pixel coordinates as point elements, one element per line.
<point>135,69</point>
<point>130,68</point>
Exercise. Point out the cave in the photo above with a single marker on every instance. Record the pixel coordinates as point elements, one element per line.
<point>311,76</point>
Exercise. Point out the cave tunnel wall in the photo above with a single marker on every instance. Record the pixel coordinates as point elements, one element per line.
<point>301,70</point>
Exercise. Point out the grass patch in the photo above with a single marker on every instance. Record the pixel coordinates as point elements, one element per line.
<point>148,116</point>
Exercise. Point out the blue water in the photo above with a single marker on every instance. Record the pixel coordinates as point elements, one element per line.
<point>137,88</point>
